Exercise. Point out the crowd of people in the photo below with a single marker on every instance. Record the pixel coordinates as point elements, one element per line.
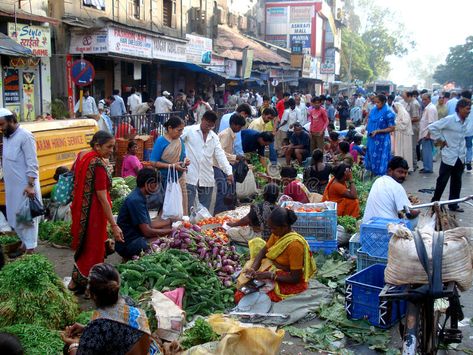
<point>387,135</point>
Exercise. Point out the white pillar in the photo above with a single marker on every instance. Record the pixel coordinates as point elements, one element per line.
<point>45,84</point>
<point>117,75</point>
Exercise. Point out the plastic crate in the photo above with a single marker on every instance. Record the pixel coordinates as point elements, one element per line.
<point>364,260</point>
<point>374,235</point>
<point>319,225</point>
<point>354,244</point>
<point>324,246</point>
<point>362,298</point>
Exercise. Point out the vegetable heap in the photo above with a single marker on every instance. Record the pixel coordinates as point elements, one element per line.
<point>30,291</point>
<point>35,339</point>
<point>223,259</point>
<point>348,223</point>
<point>8,239</point>
<point>58,232</point>
<point>171,269</point>
<point>119,188</point>
<point>200,333</point>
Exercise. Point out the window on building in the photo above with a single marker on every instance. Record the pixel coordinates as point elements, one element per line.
<point>136,9</point>
<point>169,13</point>
<point>97,4</point>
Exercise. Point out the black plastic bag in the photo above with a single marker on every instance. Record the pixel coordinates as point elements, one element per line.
<point>36,207</point>
<point>240,170</point>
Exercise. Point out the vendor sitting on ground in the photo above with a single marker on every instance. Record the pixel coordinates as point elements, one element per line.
<point>131,164</point>
<point>299,147</point>
<point>134,220</point>
<point>331,148</point>
<point>316,175</point>
<point>285,260</point>
<point>258,217</point>
<point>293,187</point>
<point>344,157</point>
<point>337,191</point>
<point>116,327</point>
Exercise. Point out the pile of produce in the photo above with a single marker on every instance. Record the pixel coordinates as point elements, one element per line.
<point>200,333</point>
<point>119,188</point>
<point>30,291</point>
<point>8,239</point>
<point>204,292</point>
<point>57,232</point>
<point>35,339</point>
<point>348,223</point>
<point>254,160</point>
<point>212,251</point>
<point>362,185</point>
<point>117,204</point>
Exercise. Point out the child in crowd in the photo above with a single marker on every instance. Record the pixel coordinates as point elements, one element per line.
<point>344,157</point>
<point>356,150</point>
<point>331,148</point>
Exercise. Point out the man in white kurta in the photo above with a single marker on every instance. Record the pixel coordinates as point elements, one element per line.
<point>20,174</point>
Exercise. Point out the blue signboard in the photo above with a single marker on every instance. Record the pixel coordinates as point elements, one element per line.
<point>300,40</point>
<point>83,72</point>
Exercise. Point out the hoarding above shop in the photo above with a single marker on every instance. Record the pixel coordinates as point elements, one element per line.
<point>130,43</point>
<point>36,38</point>
<point>199,49</point>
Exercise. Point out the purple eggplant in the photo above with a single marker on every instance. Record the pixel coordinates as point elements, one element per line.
<point>196,228</point>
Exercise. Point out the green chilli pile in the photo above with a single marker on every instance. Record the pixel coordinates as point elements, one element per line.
<point>35,339</point>
<point>204,292</point>
<point>31,292</point>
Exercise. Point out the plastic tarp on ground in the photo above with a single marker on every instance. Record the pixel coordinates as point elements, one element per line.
<point>9,47</point>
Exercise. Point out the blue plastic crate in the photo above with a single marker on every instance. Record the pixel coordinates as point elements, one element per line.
<point>325,246</point>
<point>364,260</point>
<point>354,244</point>
<point>319,225</point>
<point>362,298</point>
<point>374,235</point>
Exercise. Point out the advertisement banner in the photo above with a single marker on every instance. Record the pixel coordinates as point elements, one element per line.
<point>29,95</point>
<point>169,50</point>
<point>277,40</point>
<point>130,43</point>
<point>306,62</point>
<point>302,40</point>
<point>300,28</point>
<point>36,38</point>
<point>198,49</point>
<point>276,20</point>
<point>231,67</point>
<point>302,14</point>
<point>314,68</point>
<point>327,68</point>
<point>89,43</point>
<point>247,63</point>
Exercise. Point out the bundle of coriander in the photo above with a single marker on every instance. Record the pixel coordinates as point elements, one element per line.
<point>35,339</point>
<point>31,292</point>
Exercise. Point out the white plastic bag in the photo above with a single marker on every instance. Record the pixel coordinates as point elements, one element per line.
<point>23,215</point>
<point>172,206</point>
<point>4,226</point>
<point>199,213</point>
<point>248,188</point>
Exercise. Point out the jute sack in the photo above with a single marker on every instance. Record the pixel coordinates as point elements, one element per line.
<point>404,266</point>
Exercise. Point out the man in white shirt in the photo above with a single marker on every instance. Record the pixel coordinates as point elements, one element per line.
<point>450,133</point>
<point>202,147</point>
<point>302,108</point>
<point>134,100</point>
<point>452,103</point>
<point>89,107</point>
<point>429,116</point>
<point>387,197</point>
<point>162,103</point>
<point>290,116</point>
<point>259,100</point>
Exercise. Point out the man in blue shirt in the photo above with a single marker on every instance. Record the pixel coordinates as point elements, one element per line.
<point>134,220</point>
<point>117,107</point>
<point>255,142</point>
<point>300,145</point>
<point>243,110</point>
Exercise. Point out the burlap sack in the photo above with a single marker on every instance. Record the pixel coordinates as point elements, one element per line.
<point>404,266</point>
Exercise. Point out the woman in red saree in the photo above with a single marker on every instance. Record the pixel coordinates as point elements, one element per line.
<point>91,209</point>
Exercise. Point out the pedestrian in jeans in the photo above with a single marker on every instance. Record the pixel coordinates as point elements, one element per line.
<point>202,147</point>
<point>429,116</point>
<point>451,132</point>
<point>413,107</point>
<point>318,119</point>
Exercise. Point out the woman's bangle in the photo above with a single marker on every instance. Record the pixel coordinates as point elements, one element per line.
<point>73,346</point>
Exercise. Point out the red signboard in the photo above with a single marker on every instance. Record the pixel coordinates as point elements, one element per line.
<point>70,91</point>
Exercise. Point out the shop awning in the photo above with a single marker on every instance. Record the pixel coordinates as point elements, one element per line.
<point>20,14</point>
<point>9,47</point>
<point>193,67</point>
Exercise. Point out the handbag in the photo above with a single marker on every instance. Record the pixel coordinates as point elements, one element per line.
<point>64,188</point>
<point>240,170</point>
<point>36,207</point>
<point>172,206</point>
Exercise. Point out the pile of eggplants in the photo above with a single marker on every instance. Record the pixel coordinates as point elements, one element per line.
<point>220,257</point>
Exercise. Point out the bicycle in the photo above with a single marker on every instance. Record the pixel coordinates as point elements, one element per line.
<point>425,322</point>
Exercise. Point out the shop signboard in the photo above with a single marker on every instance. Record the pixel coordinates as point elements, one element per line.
<point>247,63</point>
<point>301,14</point>
<point>276,20</point>
<point>36,38</point>
<point>300,28</point>
<point>198,49</point>
<point>302,41</point>
<point>283,74</point>
<point>11,84</point>
<point>327,68</point>
<point>277,40</point>
<point>130,43</point>
<point>313,68</point>
<point>305,73</point>
<point>89,42</point>
<point>231,68</point>
<point>28,101</point>
<point>169,50</point>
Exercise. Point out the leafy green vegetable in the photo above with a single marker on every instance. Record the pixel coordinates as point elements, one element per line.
<point>200,333</point>
<point>117,204</point>
<point>130,181</point>
<point>119,188</point>
<point>57,232</point>
<point>333,270</point>
<point>31,292</point>
<point>348,223</point>
<point>9,239</point>
<point>84,317</point>
<point>35,339</point>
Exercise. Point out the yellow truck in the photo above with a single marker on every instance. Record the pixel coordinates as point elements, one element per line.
<point>57,143</point>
